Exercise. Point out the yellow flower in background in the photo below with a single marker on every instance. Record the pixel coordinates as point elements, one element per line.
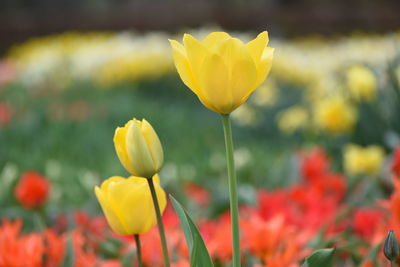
<point>292,119</point>
<point>245,115</point>
<point>139,148</point>
<point>127,203</point>
<point>221,70</point>
<point>361,82</point>
<point>360,160</point>
<point>335,115</point>
<point>266,95</point>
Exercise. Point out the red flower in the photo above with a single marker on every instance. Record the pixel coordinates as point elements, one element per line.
<point>396,162</point>
<point>366,221</point>
<point>314,164</point>
<point>198,194</point>
<point>32,190</point>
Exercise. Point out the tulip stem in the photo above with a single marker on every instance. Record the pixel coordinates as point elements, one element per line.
<point>138,250</point>
<point>392,263</point>
<point>159,222</point>
<point>232,190</point>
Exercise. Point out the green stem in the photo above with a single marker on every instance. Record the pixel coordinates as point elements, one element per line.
<point>41,218</point>
<point>392,263</point>
<point>232,191</point>
<point>138,250</point>
<point>159,222</point>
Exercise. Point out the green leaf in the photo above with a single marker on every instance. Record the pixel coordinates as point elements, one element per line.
<point>320,258</point>
<point>199,256</point>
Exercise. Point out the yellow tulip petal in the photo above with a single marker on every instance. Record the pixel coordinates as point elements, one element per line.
<point>125,197</point>
<point>195,52</point>
<point>256,47</point>
<point>120,147</point>
<point>106,183</point>
<point>213,39</point>
<point>230,50</point>
<point>128,195</point>
<point>243,78</point>
<point>242,70</point>
<point>109,213</point>
<point>214,77</point>
<point>154,144</point>
<point>137,149</point>
<point>183,67</point>
<point>264,66</point>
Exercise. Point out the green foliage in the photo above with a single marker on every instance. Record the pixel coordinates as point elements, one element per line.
<point>199,256</point>
<point>320,258</point>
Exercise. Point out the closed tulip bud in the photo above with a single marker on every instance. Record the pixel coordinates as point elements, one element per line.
<point>139,148</point>
<point>221,70</point>
<point>391,247</point>
<point>127,203</point>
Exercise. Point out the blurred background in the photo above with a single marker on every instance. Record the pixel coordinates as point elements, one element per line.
<point>23,18</point>
<point>314,144</point>
<point>71,71</point>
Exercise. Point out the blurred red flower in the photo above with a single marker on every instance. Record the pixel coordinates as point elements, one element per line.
<point>32,190</point>
<point>197,193</point>
<point>366,222</point>
<point>6,113</point>
<point>396,162</point>
<point>314,164</point>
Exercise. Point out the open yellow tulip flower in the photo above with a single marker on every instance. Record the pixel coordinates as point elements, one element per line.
<point>127,203</point>
<point>221,70</point>
<point>139,148</point>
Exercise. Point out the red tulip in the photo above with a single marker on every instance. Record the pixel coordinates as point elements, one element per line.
<point>32,190</point>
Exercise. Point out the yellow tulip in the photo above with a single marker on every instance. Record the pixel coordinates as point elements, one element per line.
<point>127,203</point>
<point>335,115</point>
<point>292,119</point>
<point>139,148</point>
<point>221,70</point>
<point>361,82</point>
<point>363,160</point>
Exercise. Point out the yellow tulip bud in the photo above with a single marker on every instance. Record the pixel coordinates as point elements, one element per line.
<point>221,70</point>
<point>138,148</point>
<point>127,203</point>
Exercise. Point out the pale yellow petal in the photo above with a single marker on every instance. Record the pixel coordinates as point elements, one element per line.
<point>120,147</point>
<point>256,47</point>
<point>109,213</point>
<point>243,76</point>
<point>195,52</point>
<point>154,144</point>
<point>264,66</point>
<point>214,39</point>
<point>138,151</point>
<point>183,67</point>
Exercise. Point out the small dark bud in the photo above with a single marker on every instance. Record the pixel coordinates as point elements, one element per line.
<point>391,247</point>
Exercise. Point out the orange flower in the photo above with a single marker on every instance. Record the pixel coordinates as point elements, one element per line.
<point>16,250</point>
<point>32,190</point>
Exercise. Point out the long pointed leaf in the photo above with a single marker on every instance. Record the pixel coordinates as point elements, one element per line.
<point>199,256</point>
